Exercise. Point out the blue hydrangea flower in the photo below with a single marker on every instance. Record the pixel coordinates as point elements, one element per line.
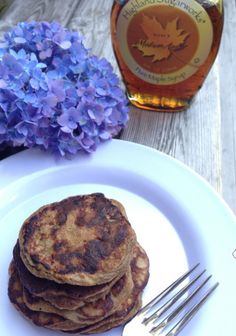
<point>54,94</point>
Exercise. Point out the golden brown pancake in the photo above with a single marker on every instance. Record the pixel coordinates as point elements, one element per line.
<point>112,322</point>
<point>126,309</point>
<point>77,266</point>
<point>131,304</point>
<point>91,312</point>
<point>100,309</point>
<point>82,240</point>
<point>63,296</point>
<point>50,321</point>
<point>55,322</point>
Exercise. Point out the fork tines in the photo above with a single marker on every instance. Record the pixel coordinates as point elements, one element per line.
<point>172,309</point>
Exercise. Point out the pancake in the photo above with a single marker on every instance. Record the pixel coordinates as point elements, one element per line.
<point>50,321</point>
<point>113,323</point>
<point>139,268</point>
<point>55,322</point>
<point>131,304</point>
<point>82,240</point>
<point>63,296</point>
<point>91,312</point>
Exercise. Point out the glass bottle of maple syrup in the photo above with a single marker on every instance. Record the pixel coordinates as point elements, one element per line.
<point>165,48</point>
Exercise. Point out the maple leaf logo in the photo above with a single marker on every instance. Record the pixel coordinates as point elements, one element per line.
<point>161,41</point>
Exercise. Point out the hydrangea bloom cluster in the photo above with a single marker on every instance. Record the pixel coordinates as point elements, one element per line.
<point>54,94</point>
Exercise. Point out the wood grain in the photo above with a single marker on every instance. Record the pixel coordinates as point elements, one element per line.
<point>227,75</point>
<point>39,10</point>
<point>204,137</point>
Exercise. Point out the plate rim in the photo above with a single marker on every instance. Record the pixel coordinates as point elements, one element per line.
<point>51,163</point>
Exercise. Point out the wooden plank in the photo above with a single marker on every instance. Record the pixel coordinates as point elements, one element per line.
<point>192,136</point>
<point>41,10</point>
<point>228,104</point>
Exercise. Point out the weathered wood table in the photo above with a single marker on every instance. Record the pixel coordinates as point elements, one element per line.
<point>204,137</point>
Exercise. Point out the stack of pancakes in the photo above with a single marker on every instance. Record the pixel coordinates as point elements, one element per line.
<point>77,266</point>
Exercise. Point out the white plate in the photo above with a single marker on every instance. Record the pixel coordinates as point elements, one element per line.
<point>177,216</point>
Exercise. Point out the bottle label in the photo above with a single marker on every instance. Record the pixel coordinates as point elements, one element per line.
<point>164,42</point>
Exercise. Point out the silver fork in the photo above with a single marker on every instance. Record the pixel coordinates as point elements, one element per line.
<point>168,313</point>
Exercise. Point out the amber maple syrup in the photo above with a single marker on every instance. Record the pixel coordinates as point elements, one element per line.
<point>165,49</point>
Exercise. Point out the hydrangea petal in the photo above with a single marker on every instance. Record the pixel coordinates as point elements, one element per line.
<point>20,40</point>
<point>65,45</point>
<point>3,84</point>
